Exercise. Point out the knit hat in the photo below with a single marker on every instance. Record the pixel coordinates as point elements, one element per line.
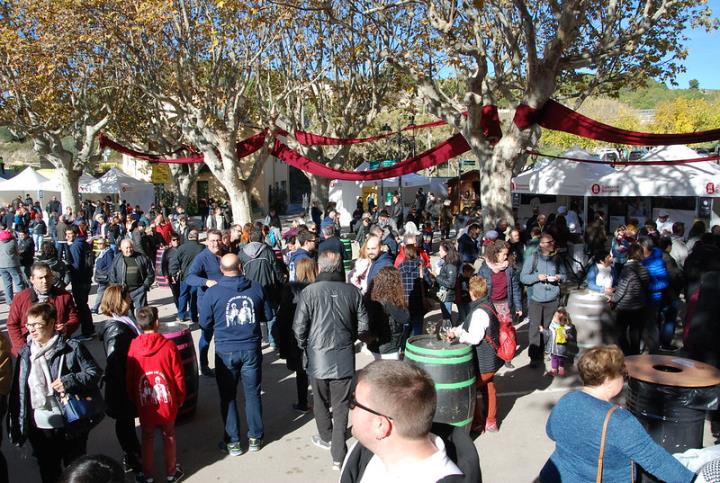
<point>5,235</point>
<point>491,235</point>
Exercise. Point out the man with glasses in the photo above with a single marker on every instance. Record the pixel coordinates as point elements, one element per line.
<point>307,244</point>
<point>329,317</point>
<point>392,413</point>
<point>41,290</point>
<point>543,273</point>
<point>204,272</point>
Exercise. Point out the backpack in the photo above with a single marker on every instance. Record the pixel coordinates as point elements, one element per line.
<point>89,261</point>
<point>535,256</point>
<point>507,337</point>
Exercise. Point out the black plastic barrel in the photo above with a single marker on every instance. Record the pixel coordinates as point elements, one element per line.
<point>181,336</point>
<point>452,368</point>
<point>670,396</point>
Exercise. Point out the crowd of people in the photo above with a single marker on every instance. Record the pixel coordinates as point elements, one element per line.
<point>300,291</point>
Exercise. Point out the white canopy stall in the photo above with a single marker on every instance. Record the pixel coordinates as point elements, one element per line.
<point>696,180</point>
<point>560,177</point>
<point>26,182</point>
<point>52,186</point>
<point>346,193</point>
<point>125,187</point>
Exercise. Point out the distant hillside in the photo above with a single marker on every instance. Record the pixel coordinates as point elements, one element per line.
<point>657,92</point>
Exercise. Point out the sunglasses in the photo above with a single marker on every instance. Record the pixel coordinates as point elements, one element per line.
<point>353,404</point>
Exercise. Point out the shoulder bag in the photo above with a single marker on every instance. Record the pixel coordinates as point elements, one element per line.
<point>81,410</point>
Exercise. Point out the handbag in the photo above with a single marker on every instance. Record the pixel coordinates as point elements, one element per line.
<point>442,294</point>
<point>81,409</point>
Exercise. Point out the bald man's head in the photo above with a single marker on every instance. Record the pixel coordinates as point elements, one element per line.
<point>230,265</point>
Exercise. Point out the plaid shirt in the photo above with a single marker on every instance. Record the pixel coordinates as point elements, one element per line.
<point>409,274</point>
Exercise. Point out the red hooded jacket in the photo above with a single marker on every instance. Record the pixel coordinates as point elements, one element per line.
<point>155,379</point>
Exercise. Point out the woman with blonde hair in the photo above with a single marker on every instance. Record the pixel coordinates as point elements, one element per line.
<point>117,333</point>
<point>481,329</point>
<point>358,275</point>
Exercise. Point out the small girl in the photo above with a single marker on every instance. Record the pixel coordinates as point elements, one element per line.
<point>560,341</point>
<point>427,236</point>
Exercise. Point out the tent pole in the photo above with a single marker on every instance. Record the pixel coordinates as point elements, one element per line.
<point>585,213</point>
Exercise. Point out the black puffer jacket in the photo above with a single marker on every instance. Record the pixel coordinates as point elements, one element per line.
<point>80,375</point>
<point>631,292</point>
<point>329,316</point>
<point>116,337</point>
<point>386,327</point>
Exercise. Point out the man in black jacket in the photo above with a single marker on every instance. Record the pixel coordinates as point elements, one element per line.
<point>134,270</point>
<point>179,264</point>
<point>331,242</point>
<point>330,316</point>
<point>393,408</point>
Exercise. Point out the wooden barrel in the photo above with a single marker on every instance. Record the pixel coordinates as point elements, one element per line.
<point>452,367</point>
<point>594,320</point>
<point>347,254</point>
<point>160,279</point>
<point>181,336</point>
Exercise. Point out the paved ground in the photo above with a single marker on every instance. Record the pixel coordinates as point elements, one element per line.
<point>514,454</point>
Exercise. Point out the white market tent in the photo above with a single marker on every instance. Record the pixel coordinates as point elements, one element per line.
<point>345,193</point>
<point>53,186</point>
<point>562,176</point>
<point>27,182</point>
<point>691,179</point>
<point>116,182</point>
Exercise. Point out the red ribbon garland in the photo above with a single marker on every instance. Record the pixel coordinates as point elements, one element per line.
<point>439,154</point>
<point>555,116</point>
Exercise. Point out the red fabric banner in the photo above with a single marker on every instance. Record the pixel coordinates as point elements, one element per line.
<point>106,142</point>
<point>630,163</point>
<point>439,154</point>
<point>554,115</point>
<point>310,139</point>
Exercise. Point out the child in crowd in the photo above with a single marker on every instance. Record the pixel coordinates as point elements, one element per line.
<point>462,297</point>
<point>427,236</point>
<point>156,384</point>
<point>560,339</point>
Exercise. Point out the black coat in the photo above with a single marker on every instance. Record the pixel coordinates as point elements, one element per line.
<point>386,323</point>
<point>704,326</point>
<point>458,446</point>
<point>80,375</point>
<point>487,359</point>
<point>287,344</point>
<point>116,337</point>
<point>183,257</point>
<point>631,292</point>
<point>447,277</point>
<point>329,316</point>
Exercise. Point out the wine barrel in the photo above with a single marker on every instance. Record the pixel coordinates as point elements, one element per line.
<point>452,367</point>
<point>181,336</point>
<point>594,320</point>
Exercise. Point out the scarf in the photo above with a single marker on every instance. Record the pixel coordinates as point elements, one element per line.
<point>42,297</point>
<point>497,267</point>
<point>127,321</point>
<point>40,379</point>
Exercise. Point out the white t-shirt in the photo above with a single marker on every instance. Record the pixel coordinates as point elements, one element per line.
<point>429,470</point>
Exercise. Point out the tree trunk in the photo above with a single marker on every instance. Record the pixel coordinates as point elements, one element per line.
<point>240,202</point>
<point>183,182</point>
<point>69,184</point>
<point>319,189</point>
<point>496,172</point>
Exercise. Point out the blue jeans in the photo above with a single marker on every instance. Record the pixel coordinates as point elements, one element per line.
<point>9,277</point>
<point>38,241</point>
<point>230,368</point>
<point>446,309</point>
<point>187,297</point>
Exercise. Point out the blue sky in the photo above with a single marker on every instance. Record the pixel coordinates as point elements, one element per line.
<point>703,62</point>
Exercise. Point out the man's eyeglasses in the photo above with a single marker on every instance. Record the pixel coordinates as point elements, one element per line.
<point>353,404</point>
<point>34,326</point>
<point>548,242</point>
